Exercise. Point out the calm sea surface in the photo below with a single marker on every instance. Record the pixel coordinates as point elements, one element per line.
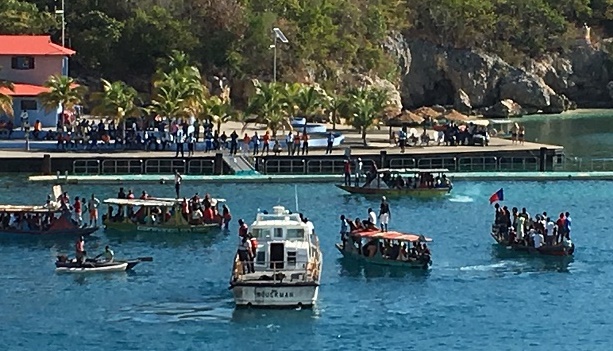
<point>583,133</point>
<point>475,297</point>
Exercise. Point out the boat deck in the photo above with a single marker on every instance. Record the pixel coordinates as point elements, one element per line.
<point>270,277</point>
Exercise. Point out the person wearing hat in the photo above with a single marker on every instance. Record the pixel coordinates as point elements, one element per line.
<point>384,214</point>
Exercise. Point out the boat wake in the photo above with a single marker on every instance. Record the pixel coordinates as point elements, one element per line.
<point>172,312</point>
<point>461,198</point>
<point>485,267</point>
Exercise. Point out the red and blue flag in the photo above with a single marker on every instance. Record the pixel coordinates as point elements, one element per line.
<point>497,196</point>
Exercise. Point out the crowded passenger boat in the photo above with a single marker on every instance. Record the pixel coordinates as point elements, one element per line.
<point>541,234</point>
<point>364,241</point>
<point>391,182</point>
<point>57,217</point>
<point>166,214</point>
<point>278,261</point>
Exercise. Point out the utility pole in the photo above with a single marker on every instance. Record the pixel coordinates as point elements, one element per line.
<point>61,12</point>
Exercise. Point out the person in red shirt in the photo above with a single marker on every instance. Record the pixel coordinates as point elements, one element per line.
<point>266,140</point>
<point>347,168</point>
<point>561,223</point>
<point>78,211</point>
<point>296,149</point>
<point>305,142</point>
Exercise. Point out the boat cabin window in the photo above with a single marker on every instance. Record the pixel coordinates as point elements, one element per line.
<point>291,258</point>
<point>278,232</point>
<point>295,234</point>
<point>261,257</point>
<point>258,233</point>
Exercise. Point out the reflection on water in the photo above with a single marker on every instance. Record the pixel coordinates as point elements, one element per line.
<point>355,268</point>
<point>261,316</point>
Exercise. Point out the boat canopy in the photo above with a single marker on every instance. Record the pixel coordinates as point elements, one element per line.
<point>27,209</point>
<point>413,170</point>
<point>376,234</point>
<point>178,201</point>
<point>140,202</point>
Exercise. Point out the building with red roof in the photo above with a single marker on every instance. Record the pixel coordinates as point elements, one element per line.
<point>28,61</point>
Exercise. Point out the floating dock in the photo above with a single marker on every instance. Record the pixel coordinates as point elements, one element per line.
<point>313,178</point>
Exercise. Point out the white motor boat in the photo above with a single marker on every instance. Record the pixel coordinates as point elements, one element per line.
<point>287,263</point>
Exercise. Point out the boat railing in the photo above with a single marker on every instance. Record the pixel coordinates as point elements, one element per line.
<point>122,166</point>
<point>334,166</point>
<point>164,166</point>
<point>285,166</point>
<point>277,271</point>
<point>201,166</point>
<point>583,164</point>
<point>86,166</point>
<point>402,163</point>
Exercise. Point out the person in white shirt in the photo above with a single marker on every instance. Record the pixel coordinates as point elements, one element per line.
<point>372,217</point>
<point>521,226</point>
<point>358,171</point>
<point>538,240</point>
<point>549,232</point>
<point>179,140</point>
<point>289,140</point>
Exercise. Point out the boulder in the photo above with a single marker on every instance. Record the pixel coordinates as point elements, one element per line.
<point>438,108</point>
<point>610,89</point>
<point>503,109</point>
<point>395,101</point>
<point>527,90</point>
<point>462,102</point>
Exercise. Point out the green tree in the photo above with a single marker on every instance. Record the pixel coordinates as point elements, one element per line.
<point>366,106</point>
<point>23,17</point>
<point>118,100</point>
<point>220,111</point>
<point>96,35</point>
<point>268,104</point>
<point>309,101</point>
<point>334,104</point>
<point>64,93</point>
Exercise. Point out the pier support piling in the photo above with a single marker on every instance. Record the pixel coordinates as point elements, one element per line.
<point>46,166</point>
<point>542,159</point>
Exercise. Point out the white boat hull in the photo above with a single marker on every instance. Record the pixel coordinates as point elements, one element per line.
<point>284,295</point>
<point>114,268</point>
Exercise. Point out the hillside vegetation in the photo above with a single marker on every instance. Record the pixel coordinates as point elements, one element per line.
<point>126,39</point>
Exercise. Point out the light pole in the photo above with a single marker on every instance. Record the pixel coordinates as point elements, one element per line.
<point>61,12</point>
<point>278,34</point>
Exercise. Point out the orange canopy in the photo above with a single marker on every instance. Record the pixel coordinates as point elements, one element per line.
<point>377,234</point>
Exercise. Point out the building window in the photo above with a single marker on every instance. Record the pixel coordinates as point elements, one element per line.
<point>22,62</point>
<point>28,105</point>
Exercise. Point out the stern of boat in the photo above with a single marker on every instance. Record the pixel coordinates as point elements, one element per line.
<point>275,295</point>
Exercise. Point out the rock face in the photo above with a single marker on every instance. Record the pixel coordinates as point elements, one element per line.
<point>503,109</point>
<point>472,79</point>
<point>395,100</point>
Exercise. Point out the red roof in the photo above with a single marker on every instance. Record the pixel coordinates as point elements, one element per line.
<point>37,45</point>
<point>21,89</point>
<point>377,234</point>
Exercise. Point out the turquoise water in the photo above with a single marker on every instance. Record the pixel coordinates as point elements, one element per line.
<point>475,297</point>
<point>583,133</point>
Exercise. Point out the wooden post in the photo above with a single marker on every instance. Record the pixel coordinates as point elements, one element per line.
<point>46,165</point>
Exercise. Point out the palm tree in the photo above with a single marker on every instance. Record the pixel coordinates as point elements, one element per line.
<point>219,111</point>
<point>6,100</point>
<point>169,102</point>
<point>335,105</point>
<point>269,104</point>
<point>63,92</point>
<point>309,101</point>
<point>117,99</point>
<point>366,106</point>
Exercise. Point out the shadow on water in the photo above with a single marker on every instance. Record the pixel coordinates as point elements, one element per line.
<point>354,268</point>
<point>526,263</point>
<point>167,239</point>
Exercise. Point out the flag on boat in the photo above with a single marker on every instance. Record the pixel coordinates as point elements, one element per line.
<point>497,196</point>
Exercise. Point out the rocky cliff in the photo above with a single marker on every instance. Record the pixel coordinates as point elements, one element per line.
<point>478,82</point>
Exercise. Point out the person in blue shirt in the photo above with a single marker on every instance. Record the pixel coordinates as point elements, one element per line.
<point>330,143</point>
<point>255,139</point>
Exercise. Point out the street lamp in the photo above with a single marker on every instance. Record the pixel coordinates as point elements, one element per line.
<point>278,34</point>
<point>61,12</point>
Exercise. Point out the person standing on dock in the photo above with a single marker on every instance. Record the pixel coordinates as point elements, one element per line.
<point>233,143</point>
<point>179,140</point>
<point>305,142</point>
<point>178,180</point>
<point>266,140</point>
<point>330,143</point>
<point>256,143</point>
<point>384,214</point>
<point>289,140</point>
<point>190,145</point>
<point>296,148</point>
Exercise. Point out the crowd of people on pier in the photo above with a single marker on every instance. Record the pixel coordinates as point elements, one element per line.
<point>519,228</point>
